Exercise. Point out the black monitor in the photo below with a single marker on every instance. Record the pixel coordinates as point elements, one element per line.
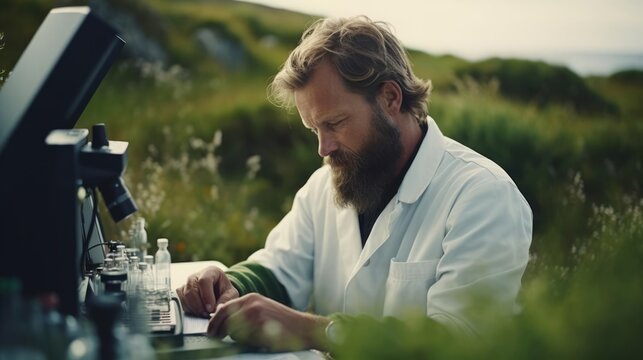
<point>48,89</point>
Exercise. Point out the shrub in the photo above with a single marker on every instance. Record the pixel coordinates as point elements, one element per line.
<point>630,77</point>
<point>539,83</point>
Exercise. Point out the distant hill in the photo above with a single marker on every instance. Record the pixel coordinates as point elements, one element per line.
<point>539,83</point>
<point>209,37</point>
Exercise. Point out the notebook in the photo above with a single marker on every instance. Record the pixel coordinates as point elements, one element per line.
<point>171,342</point>
<point>187,340</point>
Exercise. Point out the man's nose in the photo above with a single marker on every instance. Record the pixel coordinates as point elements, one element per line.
<point>327,144</point>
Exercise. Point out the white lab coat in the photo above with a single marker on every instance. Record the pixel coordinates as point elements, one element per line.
<point>457,225</point>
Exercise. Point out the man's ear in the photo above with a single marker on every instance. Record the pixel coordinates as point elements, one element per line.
<point>390,97</point>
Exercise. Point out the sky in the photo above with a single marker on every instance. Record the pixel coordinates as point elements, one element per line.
<point>476,29</point>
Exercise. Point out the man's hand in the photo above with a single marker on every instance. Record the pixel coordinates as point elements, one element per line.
<point>205,290</point>
<point>256,320</point>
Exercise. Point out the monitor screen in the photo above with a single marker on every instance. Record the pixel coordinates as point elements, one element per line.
<point>48,89</point>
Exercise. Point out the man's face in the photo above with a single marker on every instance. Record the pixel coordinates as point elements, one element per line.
<point>361,177</point>
<point>357,139</point>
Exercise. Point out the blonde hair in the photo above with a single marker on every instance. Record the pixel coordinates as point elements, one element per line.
<point>364,52</point>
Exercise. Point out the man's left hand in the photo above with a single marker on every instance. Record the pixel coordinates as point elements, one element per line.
<point>259,321</point>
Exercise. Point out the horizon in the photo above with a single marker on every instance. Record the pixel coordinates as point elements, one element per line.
<point>591,37</point>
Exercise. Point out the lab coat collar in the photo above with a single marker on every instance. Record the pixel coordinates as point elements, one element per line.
<point>424,166</point>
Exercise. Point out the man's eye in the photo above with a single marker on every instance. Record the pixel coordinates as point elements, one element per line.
<point>333,125</point>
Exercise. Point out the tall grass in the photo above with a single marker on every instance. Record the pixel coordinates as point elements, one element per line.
<point>185,198</point>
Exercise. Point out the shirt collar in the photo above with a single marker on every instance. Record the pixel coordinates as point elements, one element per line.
<point>424,166</point>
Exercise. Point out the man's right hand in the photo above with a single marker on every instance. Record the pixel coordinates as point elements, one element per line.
<point>205,290</point>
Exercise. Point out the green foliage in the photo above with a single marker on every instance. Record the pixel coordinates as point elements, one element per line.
<point>624,89</point>
<point>18,22</point>
<point>632,77</point>
<point>3,76</point>
<point>266,133</point>
<point>538,83</point>
<point>185,198</point>
<point>440,69</point>
<point>260,30</point>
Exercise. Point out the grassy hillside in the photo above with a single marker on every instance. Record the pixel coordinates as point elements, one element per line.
<point>213,165</point>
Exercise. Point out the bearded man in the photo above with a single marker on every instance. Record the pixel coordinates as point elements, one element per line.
<point>400,218</point>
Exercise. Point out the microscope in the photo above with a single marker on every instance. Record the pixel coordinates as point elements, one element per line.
<point>80,165</point>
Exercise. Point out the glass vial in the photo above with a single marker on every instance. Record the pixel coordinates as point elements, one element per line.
<point>162,265</point>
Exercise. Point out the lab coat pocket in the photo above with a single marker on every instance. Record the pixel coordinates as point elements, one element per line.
<point>407,286</point>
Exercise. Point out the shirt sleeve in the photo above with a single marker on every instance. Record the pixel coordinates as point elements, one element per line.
<point>248,277</point>
<point>289,250</point>
<point>486,249</point>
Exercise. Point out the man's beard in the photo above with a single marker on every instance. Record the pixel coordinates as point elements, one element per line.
<point>361,178</point>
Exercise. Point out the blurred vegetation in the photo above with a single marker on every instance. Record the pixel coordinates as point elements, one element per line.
<point>632,77</point>
<point>3,74</point>
<point>214,166</point>
<point>538,82</point>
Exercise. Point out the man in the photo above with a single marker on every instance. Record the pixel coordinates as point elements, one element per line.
<point>399,219</point>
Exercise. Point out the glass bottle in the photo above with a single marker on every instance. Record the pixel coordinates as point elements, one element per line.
<point>121,263</point>
<point>147,278</point>
<point>149,259</point>
<point>141,237</point>
<point>97,284</point>
<point>120,250</point>
<point>162,264</point>
<point>108,263</point>
<point>133,275</point>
